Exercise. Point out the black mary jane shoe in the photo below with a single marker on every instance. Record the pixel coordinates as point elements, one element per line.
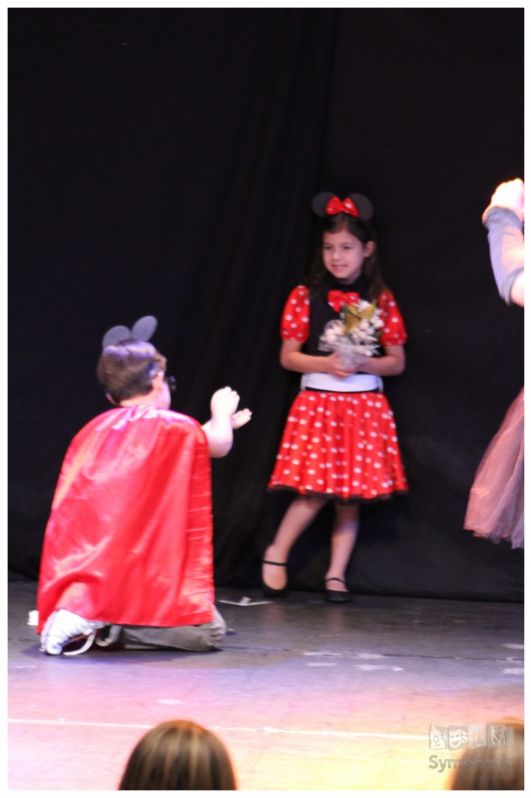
<point>273,592</point>
<point>336,596</point>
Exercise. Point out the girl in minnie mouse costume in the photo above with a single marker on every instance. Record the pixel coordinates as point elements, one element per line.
<point>343,332</point>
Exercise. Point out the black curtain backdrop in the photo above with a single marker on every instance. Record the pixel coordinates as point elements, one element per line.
<point>162,161</point>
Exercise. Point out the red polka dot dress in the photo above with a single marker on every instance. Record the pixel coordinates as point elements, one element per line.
<point>341,444</point>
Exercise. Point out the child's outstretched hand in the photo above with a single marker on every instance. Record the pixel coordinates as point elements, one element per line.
<point>224,402</point>
<point>225,418</point>
<point>240,418</point>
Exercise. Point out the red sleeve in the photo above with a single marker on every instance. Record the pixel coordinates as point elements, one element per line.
<point>295,323</point>
<point>394,331</point>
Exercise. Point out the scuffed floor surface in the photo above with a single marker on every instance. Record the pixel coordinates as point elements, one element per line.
<point>306,695</point>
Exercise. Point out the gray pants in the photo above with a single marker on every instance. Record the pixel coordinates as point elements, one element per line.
<point>204,637</point>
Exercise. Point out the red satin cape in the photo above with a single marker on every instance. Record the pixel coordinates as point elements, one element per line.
<point>129,539</point>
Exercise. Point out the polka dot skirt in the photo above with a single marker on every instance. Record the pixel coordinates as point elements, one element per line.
<point>340,444</point>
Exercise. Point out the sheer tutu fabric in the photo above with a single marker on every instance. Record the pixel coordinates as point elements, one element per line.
<point>343,445</point>
<point>496,503</point>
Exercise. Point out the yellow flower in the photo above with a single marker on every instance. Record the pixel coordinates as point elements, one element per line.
<point>352,315</point>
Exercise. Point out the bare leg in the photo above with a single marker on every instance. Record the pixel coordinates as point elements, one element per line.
<point>297,517</point>
<point>344,535</point>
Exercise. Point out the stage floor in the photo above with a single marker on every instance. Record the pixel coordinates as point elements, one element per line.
<point>306,695</point>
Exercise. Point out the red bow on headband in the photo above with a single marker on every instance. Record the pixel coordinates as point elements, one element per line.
<point>335,205</point>
<point>336,299</point>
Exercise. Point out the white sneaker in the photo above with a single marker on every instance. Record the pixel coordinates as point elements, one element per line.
<point>64,627</point>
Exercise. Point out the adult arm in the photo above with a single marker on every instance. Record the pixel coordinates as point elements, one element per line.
<point>503,219</point>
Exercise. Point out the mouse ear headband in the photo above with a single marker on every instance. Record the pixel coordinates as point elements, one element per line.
<point>356,205</point>
<point>142,330</point>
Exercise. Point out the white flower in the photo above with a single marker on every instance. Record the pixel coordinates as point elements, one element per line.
<point>360,339</point>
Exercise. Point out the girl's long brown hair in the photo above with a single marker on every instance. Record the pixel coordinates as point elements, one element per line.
<point>363,231</point>
<point>179,755</point>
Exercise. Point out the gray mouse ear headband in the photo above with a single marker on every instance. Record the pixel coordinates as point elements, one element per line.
<point>356,205</point>
<point>142,330</point>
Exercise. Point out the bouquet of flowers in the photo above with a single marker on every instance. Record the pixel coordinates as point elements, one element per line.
<point>355,334</point>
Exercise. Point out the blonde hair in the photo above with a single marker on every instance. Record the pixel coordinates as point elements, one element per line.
<point>179,755</point>
<point>498,767</point>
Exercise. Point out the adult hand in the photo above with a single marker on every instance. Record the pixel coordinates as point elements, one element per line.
<point>509,194</point>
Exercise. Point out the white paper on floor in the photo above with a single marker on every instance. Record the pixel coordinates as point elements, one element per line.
<point>245,601</point>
